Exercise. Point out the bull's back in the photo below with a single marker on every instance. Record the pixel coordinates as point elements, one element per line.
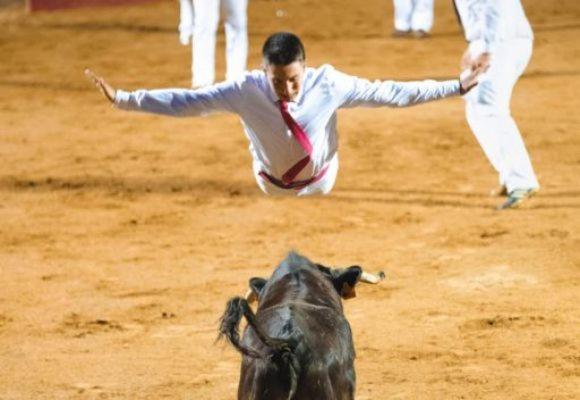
<point>322,347</point>
<point>327,357</point>
<point>324,332</point>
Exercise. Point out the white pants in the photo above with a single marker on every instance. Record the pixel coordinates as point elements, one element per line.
<point>207,14</point>
<point>186,17</point>
<point>413,15</point>
<point>489,117</point>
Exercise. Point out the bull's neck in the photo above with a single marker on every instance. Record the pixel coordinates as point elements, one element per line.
<point>297,289</point>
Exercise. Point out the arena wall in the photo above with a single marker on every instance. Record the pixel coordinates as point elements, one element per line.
<point>47,5</point>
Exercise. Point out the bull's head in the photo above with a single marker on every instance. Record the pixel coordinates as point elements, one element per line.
<point>344,281</point>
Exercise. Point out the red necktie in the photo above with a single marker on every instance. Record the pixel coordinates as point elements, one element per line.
<point>302,140</point>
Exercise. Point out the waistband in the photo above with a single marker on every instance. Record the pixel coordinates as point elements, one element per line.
<point>296,185</point>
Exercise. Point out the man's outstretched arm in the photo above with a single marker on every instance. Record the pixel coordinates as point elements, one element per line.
<point>361,92</point>
<point>225,96</point>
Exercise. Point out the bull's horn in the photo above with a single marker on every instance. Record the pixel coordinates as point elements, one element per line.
<point>250,296</point>
<point>367,277</point>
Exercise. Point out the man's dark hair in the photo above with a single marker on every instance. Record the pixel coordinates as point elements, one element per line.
<point>283,48</point>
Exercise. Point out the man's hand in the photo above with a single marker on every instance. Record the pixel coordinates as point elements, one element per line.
<point>481,61</point>
<point>107,90</point>
<point>473,69</point>
<point>465,61</point>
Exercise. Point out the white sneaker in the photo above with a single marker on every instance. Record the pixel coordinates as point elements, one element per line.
<point>516,197</point>
<point>420,34</point>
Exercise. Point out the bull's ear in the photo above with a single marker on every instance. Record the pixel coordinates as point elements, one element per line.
<point>257,285</point>
<point>345,280</point>
<point>328,272</point>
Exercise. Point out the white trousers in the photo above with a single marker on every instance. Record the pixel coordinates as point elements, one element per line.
<point>207,14</point>
<point>413,15</point>
<point>186,17</point>
<point>489,117</point>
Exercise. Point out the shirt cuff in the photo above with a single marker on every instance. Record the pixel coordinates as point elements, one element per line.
<point>122,99</point>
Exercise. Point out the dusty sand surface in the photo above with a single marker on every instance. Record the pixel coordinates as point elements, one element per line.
<point>123,235</point>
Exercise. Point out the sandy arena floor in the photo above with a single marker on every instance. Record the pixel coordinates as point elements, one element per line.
<point>122,235</point>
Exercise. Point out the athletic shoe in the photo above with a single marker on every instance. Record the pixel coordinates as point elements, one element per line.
<point>516,197</point>
<point>397,33</point>
<point>420,34</point>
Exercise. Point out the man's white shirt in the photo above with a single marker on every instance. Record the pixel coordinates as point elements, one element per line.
<point>486,23</point>
<point>272,145</point>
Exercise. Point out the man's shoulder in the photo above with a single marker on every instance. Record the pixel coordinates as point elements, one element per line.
<point>254,79</point>
<point>327,75</point>
<point>322,70</point>
<point>254,76</point>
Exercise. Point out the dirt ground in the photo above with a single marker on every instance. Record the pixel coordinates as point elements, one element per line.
<point>122,235</point>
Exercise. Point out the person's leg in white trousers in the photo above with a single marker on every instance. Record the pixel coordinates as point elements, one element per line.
<point>186,17</point>
<point>489,117</point>
<point>204,40</point>
<point>416,15</point>
<point>422,18</point>
<point>236,22</point>
<point>403,13</point>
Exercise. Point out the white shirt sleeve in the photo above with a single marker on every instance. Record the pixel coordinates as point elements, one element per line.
<point>355,92</point>
<point>224,97</point>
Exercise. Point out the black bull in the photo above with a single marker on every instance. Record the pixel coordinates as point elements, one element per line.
<point>298,345</point>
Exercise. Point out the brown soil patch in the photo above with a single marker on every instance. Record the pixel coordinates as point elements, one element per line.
<point>122,236</point>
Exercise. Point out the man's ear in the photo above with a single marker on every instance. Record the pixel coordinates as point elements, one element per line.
<point>345,280</point>
<point>257,286</point>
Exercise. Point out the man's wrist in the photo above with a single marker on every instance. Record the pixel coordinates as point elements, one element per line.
<point>462,90</point>
<point>112,95</point>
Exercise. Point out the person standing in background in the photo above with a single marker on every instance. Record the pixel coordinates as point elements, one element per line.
<point>186,18</point>
<point>500,35</point>
<point>200,18</point>
<point>413,17</point>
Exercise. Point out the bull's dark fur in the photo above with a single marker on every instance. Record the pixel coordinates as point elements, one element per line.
<point>298,345</point>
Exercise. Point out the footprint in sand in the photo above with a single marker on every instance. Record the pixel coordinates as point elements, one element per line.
<point>173,331</point>
<point>506,322</point>
<point>498,277</point>
<point>80,326</point>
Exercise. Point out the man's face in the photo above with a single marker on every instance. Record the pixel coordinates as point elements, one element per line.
<point>286,80</point>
